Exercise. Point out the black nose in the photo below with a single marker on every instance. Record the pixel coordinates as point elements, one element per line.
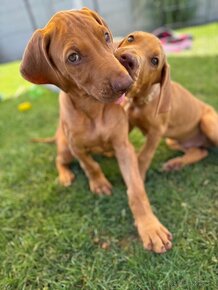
<point>122,83</point>
<point>128,61</point>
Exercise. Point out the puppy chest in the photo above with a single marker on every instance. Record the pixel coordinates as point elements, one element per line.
<point>137,117</point>
<point>88,137</point>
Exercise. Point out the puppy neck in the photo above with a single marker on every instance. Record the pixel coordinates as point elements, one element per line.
<point>145,95</point>
<point>86,104</point>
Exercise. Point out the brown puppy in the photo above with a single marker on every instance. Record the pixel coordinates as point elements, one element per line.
<point>162,108</point>
<point>75,52</point>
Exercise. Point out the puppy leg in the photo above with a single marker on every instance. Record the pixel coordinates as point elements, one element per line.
<point>174,145</point>
<point>209,125</point>
<point>98,183</point>
<point>147,152</point>
<point>63,160</point>
<point>154,235</point>
<point>191,156</point>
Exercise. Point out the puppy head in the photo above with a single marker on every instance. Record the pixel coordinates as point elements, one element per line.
<point>143,56</point>
<point>75,50</point>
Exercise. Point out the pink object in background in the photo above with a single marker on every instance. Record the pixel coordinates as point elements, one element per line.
<point>173,42</point>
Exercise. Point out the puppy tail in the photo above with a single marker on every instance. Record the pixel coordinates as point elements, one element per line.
<point>49,140</point>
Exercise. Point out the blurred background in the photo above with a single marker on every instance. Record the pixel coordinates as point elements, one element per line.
<point>18,19</point>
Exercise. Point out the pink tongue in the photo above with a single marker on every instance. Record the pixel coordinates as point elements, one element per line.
<point>120,100</point>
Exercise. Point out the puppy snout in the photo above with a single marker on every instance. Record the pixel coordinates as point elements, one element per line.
<point>121,84</point>
<point>128,61</point>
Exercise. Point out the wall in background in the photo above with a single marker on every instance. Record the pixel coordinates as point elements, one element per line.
<point>18,19</point>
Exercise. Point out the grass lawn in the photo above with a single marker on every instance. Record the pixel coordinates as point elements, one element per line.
<point>54,238</point>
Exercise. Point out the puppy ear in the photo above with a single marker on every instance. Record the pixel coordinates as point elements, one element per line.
<point>36,65</point>
<point>96,16</point>
<point>163,105</point>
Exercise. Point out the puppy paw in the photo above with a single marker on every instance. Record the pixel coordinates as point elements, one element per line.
<point>173,164</point>
<point>66,178</point>
<point>100,186</point>
<point>154,235</point>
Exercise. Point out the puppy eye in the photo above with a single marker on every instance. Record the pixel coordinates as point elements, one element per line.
<point>155,61</point>
<point>130,38</point>
<point>107,37</point>
<point>74,57</point>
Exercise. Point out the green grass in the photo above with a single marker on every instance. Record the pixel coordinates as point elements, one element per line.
<point>51,236</point>
<point>205,40</point>
<point>11,82</point>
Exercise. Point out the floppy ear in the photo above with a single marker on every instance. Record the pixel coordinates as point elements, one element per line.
<point>163,105</point>
<point>36,65</point>
<point>96,16</point>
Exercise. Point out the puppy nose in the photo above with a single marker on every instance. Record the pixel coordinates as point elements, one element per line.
<point>122,83</point>
<point>128,61</point>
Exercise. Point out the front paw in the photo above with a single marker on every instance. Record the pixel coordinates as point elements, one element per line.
<point>66,178</point>
<point>173,164</point>
<point>154,235</point>
<point>100,186</point>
